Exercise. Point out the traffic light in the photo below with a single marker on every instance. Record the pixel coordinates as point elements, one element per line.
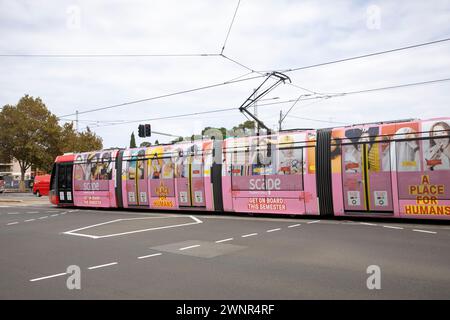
<point>141,131</point>
<point>145,130</point>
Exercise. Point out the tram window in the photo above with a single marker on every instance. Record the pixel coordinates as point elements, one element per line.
<point>408,155</point>
<point>437,154</point>
<point>104,167</point>
<point>62,177</point>
<point>52,178</point>
<point>131,169</point>
<point>141,169</point>
<point>290,161</point>
<point>69,177</point>
<point>240,165</point>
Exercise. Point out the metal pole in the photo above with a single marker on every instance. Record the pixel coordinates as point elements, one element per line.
<point>76,121</point>
<point>280,121</point>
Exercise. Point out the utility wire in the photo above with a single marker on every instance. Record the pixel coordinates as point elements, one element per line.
<point>389,87</point>
<point>288,101</point>
<point>231,24</point>
<point>161,96</point>
<point>318,120</point>
<point>367,55</point>
<point>240,64</point>
<point>89,55</point>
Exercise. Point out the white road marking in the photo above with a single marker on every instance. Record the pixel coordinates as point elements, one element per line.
<point>11,223</point>
<point>150,255</point>
<point>315,221</point>
<point>425,231</point>
<point>102,265</point>
<point>393,227</point>
<point>14,212</point>
<point>47,277</point>
<point>44,217</point>
<point>74,233</point>
<point>224,240</point>
<point>367,224</point>
<point>294,225</point>
<point>29,220</point>
<point>249,235</point>
<point>272,230</point>
<point>33,212</point>
<point>54,215</point>
<point>190,247</point>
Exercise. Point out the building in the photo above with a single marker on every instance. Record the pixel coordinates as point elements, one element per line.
<point>12,170</point>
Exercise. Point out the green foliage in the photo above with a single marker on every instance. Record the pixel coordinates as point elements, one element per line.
<point>145,144</point>
<point>72,141</point>
<point>30,133</point>
<point>132,141</point>
<point>247,125</point>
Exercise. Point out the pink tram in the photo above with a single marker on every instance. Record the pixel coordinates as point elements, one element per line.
<point>395,169</point>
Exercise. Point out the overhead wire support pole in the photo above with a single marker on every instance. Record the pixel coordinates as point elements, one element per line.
<point>255,96</point>
<point>282,117</point>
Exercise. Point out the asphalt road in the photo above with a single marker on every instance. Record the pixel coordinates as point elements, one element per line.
<point>133,255</point>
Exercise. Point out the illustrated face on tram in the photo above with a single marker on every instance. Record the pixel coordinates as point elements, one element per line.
<point>92,164</point>
<point>156,166</point>
<point>289,163</point>
<point>104,167</point>
<point>440,129</point>
<point>437,156</point>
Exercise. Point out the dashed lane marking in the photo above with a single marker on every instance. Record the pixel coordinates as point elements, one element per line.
<point>315,221</point>
<point>11,223</point>
<point>249,235</point>
<point>190,247</point>
<point>224,240</point>
<point>294,225</point>
<point>272,230</point>
<point>150,256</point>
<point>424,231</point>
<point>47,277</point>
<point>393,227</point>
<point>367,224</point>
<point>103,265</point>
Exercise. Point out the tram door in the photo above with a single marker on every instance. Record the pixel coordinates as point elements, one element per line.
<point>190,183</point>
<point>64,173</point>
<point>366,177</point>
<point>137,189</point>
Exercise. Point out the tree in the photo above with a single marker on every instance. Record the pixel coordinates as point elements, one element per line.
<point>246,125</point>
<point>179,139</point>
<point>132,141</point>
<point>145,144</point>
<point>88,141</point>
<point>29,133</point>
<point>156,142</point>
<point>72,141</point>
<point>207,130</point>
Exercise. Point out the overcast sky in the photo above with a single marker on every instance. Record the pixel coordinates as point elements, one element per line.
<point>266,35</point>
